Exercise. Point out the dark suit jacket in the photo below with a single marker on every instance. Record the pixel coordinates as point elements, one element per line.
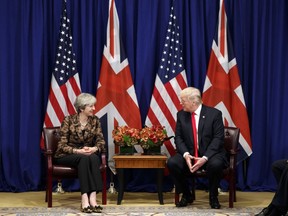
<point>210,133</point>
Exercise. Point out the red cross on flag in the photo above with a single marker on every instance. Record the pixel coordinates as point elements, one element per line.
<point>222,88</point>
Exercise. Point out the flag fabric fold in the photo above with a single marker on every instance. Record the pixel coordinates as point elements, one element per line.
<point>222,88</point>
<point>65,83</point>
<point>116,97</point>
<point>170,80</point>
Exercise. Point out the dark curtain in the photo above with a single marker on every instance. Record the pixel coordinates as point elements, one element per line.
<point>28,39</point>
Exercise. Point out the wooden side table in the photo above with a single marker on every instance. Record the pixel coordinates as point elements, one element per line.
<point>140,161</point>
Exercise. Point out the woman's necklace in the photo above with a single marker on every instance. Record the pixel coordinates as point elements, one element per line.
<point>83,123</point>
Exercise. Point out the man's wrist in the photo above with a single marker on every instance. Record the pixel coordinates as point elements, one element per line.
<point>206,158</point>
<point>185,154</point>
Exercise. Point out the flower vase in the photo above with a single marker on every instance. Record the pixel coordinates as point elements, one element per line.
<point>126,150</point>
<point>155,150</point>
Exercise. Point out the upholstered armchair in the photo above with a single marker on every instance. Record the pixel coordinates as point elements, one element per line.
<point>58,171</point>
<point>231,140</point>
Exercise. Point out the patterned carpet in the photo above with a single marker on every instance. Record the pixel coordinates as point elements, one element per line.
<point>133,204</point>
<point>130,211</point>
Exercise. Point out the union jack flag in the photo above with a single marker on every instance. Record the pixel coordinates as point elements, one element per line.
<point>65,83</point>
<point>170,80</point>
<point>116,97</point>
<point>222,88</point>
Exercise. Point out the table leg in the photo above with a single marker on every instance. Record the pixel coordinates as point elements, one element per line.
<point>120,173</point>
<point>160,173</point>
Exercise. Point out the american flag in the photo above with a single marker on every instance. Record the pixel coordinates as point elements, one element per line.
<point>222,88</point>
<point>116,96</point>
<point>65,84</point>
<point>170,80</point>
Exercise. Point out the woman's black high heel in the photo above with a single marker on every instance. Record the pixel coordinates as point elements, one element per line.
<point>97,209</point>
<point>86,209</point>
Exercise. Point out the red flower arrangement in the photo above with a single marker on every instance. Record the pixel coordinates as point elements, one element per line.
<point>153,136</point>
<point>147,137</point>
<point>126,136</point>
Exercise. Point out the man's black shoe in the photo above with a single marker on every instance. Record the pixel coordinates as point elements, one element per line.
<point>214,203</point>
<point>184,201</point>
<point>266,211</point>
<point>277,212</point>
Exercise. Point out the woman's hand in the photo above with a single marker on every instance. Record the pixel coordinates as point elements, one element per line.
<point>87,150</point>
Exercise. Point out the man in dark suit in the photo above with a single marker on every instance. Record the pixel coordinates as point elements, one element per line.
<point>279,204</point>
<point>210,146</point>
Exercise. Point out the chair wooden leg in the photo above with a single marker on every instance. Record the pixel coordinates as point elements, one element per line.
<point>104,189</point>
<point>176,198</point>
<point>49,191</point>
<point>230,199</point>
<point>232,194</point>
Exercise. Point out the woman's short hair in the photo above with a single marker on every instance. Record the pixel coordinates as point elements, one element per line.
<point>83,100</point>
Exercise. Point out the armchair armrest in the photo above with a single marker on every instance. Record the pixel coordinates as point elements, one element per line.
<point>49,157</point>
<point>48,152</point>
<point>232,158</point>
<point>103,161</point>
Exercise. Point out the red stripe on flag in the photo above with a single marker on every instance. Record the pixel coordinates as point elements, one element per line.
<point>74,86</point>
<point>56,106</point>
<point>68,103</point>
<point>173,95</point>
<point>48,122</point>
<point>181,81</point>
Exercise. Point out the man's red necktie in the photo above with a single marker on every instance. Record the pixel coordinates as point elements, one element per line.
<point>194,134</point>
